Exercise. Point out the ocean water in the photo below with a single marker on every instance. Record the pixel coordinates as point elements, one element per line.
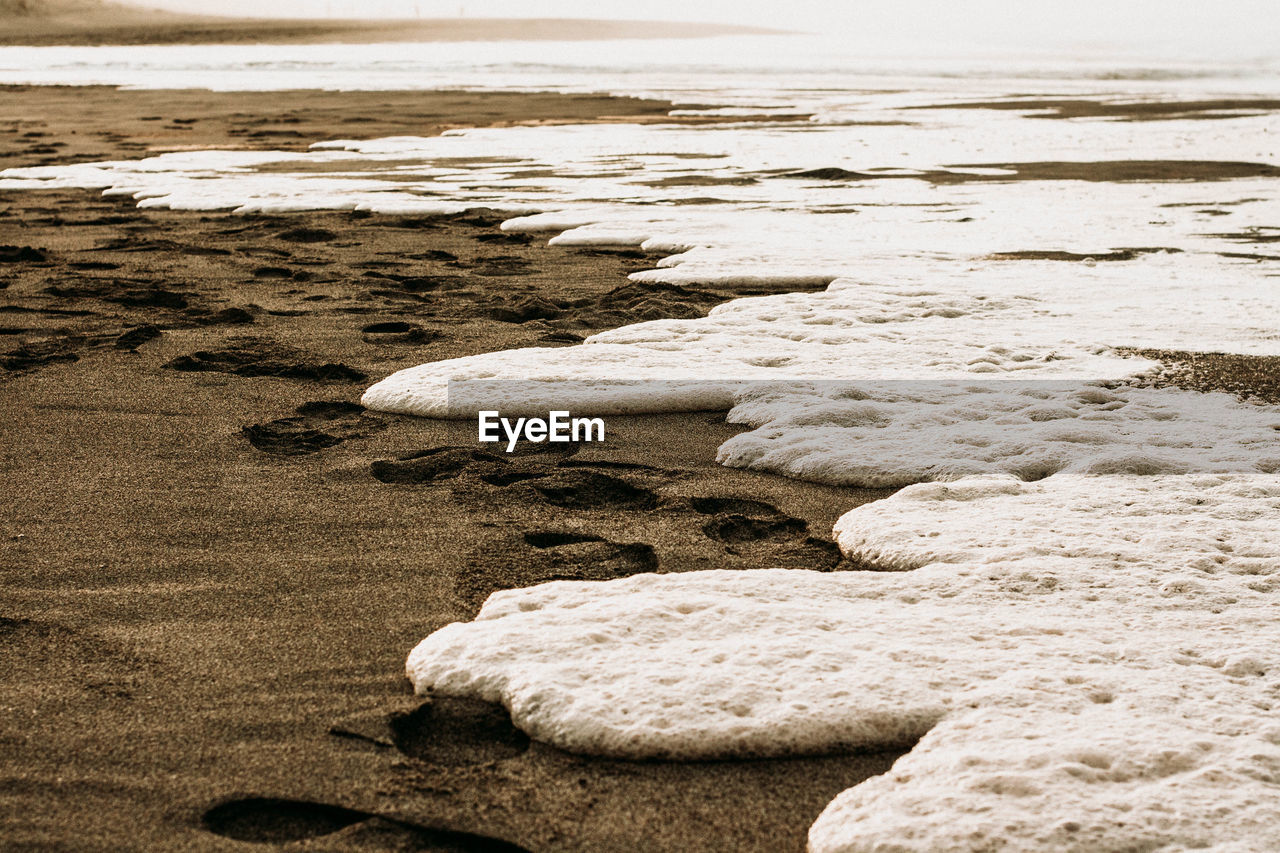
<point>1076,613</point>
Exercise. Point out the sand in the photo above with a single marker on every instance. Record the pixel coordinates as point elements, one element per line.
<point>90,22</point>
<point>198,512</point>
<point>1124,110</point>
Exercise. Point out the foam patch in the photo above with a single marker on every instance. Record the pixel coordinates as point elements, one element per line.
<point>1088,662</point>
<point>894,434</point>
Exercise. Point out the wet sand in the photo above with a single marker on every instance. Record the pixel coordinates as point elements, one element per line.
<point>1156,110</point>
<point>1146,171</point>
<point>215,562</point>
<point>41,125</point>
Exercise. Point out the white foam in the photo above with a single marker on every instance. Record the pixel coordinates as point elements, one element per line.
<point>895,434</point>
<point>1060,321</point>
<point>1097,651</point>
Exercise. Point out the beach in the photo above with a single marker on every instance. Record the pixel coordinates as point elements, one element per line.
<point>210,594</point>
<point>936,501</point>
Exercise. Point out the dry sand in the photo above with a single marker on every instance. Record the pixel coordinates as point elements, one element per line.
<point>214,562</point>
<point>86,22</point>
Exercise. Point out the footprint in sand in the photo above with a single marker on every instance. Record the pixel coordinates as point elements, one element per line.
<point>316,426</point>
<point>505,238</point>
<point>757,527</point>
<point>136,337</point>
<point>270,820</point>
<point>591,490</point>
<point>547,475</point>
<point>274,273</point>
<point>752,529</point>
<point>577,556</point>
<point>397,332</point>
<point>307,235</point>
<point>420,283</point>
<point>457,732</point>
<point>23,255</point>
<point>258,357</point>
<point>35,354</point>
<point>525,310</point>
<point>502,265</point>
<point>122,292</point>
<point>67,348</point>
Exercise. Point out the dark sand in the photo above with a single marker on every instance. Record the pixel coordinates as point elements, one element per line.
<point>1122,254</point>
<point>1145,171</point>
<point>87,22</point>
<point>41,125</point>
<point>1221,108</point>
<point>1249,377</point>
<point>214,565</point>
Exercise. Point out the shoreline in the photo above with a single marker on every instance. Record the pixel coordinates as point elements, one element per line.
<point>217,562</point>
<point>43,125</point>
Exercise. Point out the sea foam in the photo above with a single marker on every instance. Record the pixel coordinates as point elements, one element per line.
<point>1088,664</point>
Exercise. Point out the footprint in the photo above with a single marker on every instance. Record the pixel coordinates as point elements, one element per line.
<point>502,265</point>
<point>505,238</point>
<point>433,255</point>
<point>255,357</point>
<point>307,235</point>
<point>317,425</point>
<point>533,308</point>
<point>137,336</point>
<point>546,555</point>
<point>438,463</point>
<point>153,297</point>
<point>584,489</point>
<point>120,292</point>
<point>397,332</point>
<point>421,283</point>
<point>572,556</point>
<point>457,732</point>
<point>545,471</point>
<point>23,255</point>
<point>751,527</point>
<point>226,317</point>
<point>740,520</point>
<point>273,273</point>
<point>273,820</point>
<point>39,353</point>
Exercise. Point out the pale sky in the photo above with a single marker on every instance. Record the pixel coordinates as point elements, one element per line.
<point>1198,27</point>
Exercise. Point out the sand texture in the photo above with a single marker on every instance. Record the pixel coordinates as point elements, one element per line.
<point>215,562</point>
